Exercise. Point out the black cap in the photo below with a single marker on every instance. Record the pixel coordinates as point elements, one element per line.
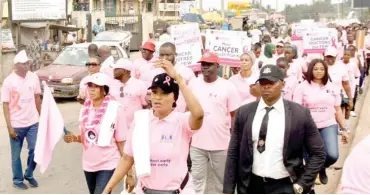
<point>166,83</point>
<point>271,73</point>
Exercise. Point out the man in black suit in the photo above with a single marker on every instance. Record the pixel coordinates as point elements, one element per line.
<point>265,154</point>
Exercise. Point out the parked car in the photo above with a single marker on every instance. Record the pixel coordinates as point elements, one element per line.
<point>64,75</point>
<point>123,38</point>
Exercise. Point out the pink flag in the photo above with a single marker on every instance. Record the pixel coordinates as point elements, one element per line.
<point>50,130</point>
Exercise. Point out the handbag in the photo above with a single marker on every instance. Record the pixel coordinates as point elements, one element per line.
<point>182,186</point>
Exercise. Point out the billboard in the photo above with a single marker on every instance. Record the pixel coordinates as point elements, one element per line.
<point>26,10</point>
<point>360,4</point>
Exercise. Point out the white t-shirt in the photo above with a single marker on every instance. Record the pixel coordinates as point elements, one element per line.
<point>255,35</point>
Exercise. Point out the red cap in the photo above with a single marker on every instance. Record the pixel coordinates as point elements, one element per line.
<point>149,46</point>
<point>210,58</point>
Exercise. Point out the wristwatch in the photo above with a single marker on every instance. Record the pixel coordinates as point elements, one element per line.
<point>345,129</point>
<point>297,188</point>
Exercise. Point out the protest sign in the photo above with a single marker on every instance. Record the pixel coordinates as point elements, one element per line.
<point>7,39</point>
<point>228,45</point>
<point>188,43</point>
<point>318,40</point>
<point>298,30</point>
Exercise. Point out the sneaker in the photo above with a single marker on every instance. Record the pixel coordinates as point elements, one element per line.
<point>323,177</point>
<point>20,186</point>
<point>33,183</point>
<point>353,114</point>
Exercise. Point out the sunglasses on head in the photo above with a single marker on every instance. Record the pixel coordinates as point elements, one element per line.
<point>91,64</point>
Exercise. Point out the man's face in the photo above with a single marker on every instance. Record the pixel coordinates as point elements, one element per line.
<point>118,73</point>
<point>276,34</point>
<point>330,60</point>
<point>350,37</point>
<point>209,69</point>
<point>146,54</point>
<point>22,68</point>
<point>104,54</point>
<point>168,54</point>
<point>257,52</point>
<point>270,90</point>
<point>266,40</point>
<point>279,49</point>
<point>289,54</point>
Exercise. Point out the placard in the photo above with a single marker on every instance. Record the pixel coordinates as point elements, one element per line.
<point>228,45</point>
<point>318,40</point>
<point>38,10</point>
<point>7,39</point>
<point>298,30</point>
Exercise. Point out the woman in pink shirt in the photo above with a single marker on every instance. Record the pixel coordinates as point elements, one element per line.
<point>245,80</point>
<point>102,145</point>
<point>323,99</point>
<point>160,147</point>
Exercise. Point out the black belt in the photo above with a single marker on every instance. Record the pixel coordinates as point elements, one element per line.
<point>271,180</point>
<point>182,186</point>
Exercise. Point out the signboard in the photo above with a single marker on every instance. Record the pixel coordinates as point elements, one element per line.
<point>38,10</point>
<point>298,30</point>
<point>360,4</point>
<point>170,7</point>
<point>186,7</point>
<point>188,43</point>
<point>318,40</point>
<point>7,39</point>
<point>228,45</point>
<point>238,6</point>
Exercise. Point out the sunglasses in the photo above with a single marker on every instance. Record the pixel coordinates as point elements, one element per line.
<point>121,92</point>
<point>92,64</point>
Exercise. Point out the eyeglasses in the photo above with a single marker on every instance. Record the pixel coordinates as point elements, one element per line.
<point>92,64</point>
<point>121,92</point>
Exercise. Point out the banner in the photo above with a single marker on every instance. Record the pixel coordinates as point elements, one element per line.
<point>228,45</point>
<point>298,30</point>
<point>318,40</point>
<point>188,43</point>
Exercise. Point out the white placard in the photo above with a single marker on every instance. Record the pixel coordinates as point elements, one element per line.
<point>298,30</point>
<point>38,10</point>
<point>318,40</point>
<point>188,43</point>
<point>7,39</point>
<point>228,44</point>
<point>186,7</point>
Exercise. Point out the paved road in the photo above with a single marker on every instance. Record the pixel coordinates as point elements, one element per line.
<point>65,174</point>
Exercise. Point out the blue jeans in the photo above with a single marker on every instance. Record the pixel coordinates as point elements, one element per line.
<point>96,181</point>
<point>30,133</point>
<point>330,137</point>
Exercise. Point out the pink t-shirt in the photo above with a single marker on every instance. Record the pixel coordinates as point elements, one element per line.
<point>83,87</point>
<point>242,85</point>
<point>296,69</point>
<point>186,73</point>
<point>97,158</point>
<point>143,70</point>
<point>353,75</point>
<point>290,85</point>
<point>321,100</point>
<point>338,73</point>
<point>134,92</point>
<point>169,148</point>
<point>20,94</point>
<point>356,169</point>
<point>218,99</point>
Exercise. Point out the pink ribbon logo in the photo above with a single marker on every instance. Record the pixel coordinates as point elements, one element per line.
<point>333,42</point>
<point>167,81</point>
<point>14,95</point>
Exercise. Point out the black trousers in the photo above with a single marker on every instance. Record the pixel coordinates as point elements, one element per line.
<point>96,181</point>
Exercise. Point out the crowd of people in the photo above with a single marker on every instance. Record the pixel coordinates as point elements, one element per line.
<point>272,127</point>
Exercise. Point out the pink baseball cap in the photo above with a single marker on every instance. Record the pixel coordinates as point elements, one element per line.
<point>99,79</point>
<point>210,58</point>
<point>124,64</point>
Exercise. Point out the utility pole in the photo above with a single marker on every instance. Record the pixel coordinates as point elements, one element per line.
<point>201,6</point>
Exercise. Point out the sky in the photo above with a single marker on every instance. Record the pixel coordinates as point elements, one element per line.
<point>209,4</point>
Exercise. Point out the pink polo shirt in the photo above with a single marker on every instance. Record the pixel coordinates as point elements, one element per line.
<point>218,99</point>
<point>356,169</point>
<point>338,73</point>
<point>321,100</point>
<point>186,73</point>
<point>296,69</point>
<point>169,148</point>
<point>143,69</point>
<point>134,92</point>
<point>290,85</point>
<point>20,94</point>
<point>242,85</point>
<point>97,158</point>
<point>353,75</point>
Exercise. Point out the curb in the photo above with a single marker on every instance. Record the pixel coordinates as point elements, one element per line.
<point>357,133</point>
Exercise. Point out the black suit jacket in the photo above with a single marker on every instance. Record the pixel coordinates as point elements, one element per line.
<point>300,132</point>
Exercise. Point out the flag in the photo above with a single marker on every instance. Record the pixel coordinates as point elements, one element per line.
<point>51,128</point>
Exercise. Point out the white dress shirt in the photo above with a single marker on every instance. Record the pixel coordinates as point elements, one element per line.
<point>270,162</point>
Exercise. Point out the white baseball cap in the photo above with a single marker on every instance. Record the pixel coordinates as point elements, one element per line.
<point>124,64</point>
<point>21,57</point>
<point>99,79</point>
<point>331,51</point>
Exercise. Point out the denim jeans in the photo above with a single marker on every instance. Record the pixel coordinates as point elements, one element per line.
<point>330,137</point>
<point>30,133</point>
<point>96,181</point>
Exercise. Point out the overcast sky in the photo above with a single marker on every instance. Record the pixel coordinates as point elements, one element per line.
<point>281,3</point>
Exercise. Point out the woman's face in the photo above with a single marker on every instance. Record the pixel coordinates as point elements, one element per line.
<point>246,62</point>
<point>93,66</point>
<point>95,92</point>
<point>161,102</point>
<point>346,56</point>
<point>318,71</point>
<point>257,52</point>
<point>279,49</point>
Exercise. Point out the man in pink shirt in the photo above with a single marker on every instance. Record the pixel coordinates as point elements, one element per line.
<point>219,99</point>
<point>144,64</point>
<point>20,95</point>
<point>130,92</point>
